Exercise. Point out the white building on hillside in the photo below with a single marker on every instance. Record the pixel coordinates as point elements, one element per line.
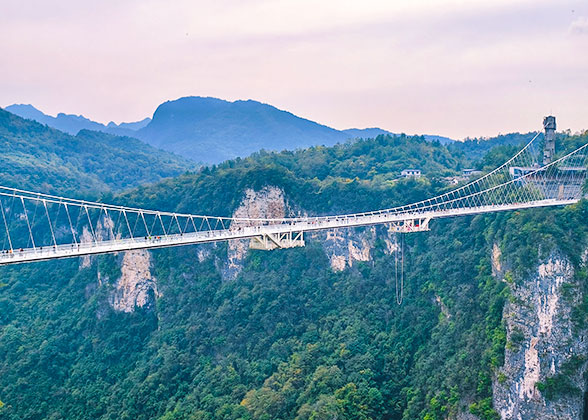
<point>411,173</point>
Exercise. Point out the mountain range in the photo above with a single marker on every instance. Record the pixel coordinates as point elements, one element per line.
<point>39,157</point>
<point>72,124</point>
<point>212,130</point>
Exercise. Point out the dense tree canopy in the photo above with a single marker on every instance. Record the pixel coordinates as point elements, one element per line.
<point>289,338</point>
<point>47,160</point>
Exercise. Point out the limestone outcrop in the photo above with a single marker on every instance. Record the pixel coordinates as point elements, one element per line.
<point>545,355</point>
<point>136,287</point>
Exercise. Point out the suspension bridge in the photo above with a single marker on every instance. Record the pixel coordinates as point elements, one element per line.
<point>37,226</point>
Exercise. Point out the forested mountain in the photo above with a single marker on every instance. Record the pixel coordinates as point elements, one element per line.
<point>42,158</point>
<point>475,149</point>
<point>212,130</point>
<point>320,179</point>
<point>292,335</point>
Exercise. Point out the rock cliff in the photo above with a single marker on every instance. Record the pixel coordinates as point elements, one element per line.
<point>136,287</point>
<point>269,202</point>
<point>344,246</point>
<point>545,355</point>
<point>348,245</point>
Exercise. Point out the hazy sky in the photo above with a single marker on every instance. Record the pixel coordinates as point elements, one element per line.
<point>456,68</point>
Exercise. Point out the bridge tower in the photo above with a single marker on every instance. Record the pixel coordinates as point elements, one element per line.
<point>549,147</point>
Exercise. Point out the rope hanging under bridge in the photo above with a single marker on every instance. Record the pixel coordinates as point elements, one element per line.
<point>399,290</point>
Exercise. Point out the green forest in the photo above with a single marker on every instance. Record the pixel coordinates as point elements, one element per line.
<point>289,338</point>
<point>38,157</point>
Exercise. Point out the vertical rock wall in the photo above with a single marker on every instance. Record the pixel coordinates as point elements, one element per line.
<point>269,202</point>
<point>136,288</point>
<point>344,246</point>
<point>347,245</point>
<point>545,356</point>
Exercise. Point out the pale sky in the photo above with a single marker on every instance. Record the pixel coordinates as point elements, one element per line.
<point>455,68</point>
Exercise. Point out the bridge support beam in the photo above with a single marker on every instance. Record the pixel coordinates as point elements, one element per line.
<point>413,225</point>
<point>270,241</point>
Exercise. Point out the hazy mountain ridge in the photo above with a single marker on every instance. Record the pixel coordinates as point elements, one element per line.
<point>133,126</point>
<point>213,130</point>
<point>370,132</point>
<point>73,124</point>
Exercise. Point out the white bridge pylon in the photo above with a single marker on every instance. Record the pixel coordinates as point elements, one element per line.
<point>38,226</point>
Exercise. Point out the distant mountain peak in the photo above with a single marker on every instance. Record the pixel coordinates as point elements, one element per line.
<point>136,125</point>
<point>365,132</point>
<point>213,130</point>
<point>27,111</point>
<point>76,117</point>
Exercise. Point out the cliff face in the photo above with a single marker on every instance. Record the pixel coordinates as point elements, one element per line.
<point>136,287</point>
<point>269,203</point>
<point>344,246</point>
<point>545,356</point>
<point>103,231</point>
